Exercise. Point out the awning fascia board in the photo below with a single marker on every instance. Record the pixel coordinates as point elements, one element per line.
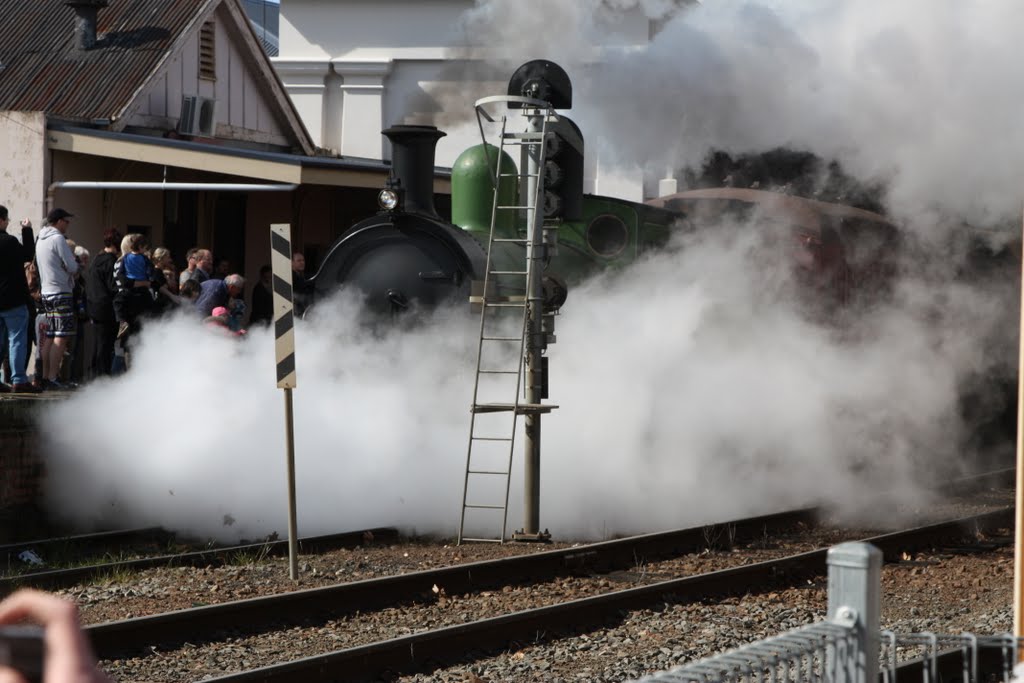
<point>215,160</point>
<point>343,177</point>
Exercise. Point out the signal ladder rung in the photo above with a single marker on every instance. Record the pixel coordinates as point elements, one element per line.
<point>517,240</point>
<point>537,137</point>
<point>491,438</point>
<point>493,299</point>
<point>488,472</point>
<point>486,507</point>
<point>505,305</point>
<point>482,540</point>
<point>506,339</point>
<point>508,272</point>
<point>518,408</point>
<point>518,208</point>
<point>499,372</point>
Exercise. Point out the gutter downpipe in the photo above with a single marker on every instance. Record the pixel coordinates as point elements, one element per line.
<point>113,185</point>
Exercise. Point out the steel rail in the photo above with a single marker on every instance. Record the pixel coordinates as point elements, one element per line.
<point>430,649</point>
<point>56,578</point>
<point>100,538</point>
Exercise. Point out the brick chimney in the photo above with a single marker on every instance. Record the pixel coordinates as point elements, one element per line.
<point>85,21</point>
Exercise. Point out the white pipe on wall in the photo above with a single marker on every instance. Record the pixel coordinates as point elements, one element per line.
<point>128,185</point>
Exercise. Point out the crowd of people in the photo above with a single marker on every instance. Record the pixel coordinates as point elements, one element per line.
<point>52,290</point>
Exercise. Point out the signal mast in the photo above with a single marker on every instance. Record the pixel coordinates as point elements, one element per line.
<point>550,182</point>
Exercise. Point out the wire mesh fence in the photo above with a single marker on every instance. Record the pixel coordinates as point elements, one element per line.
<point>849,646</point>
<point>928,657</point>
<point>810,653</point>
<point>825,652</point>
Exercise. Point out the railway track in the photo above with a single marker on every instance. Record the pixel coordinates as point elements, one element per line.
<point>430,648</point>
<point>423,651</point>
<point>116,639</point>
<point>78,549</point>
<point>86,544</point>
<point>92,543</point>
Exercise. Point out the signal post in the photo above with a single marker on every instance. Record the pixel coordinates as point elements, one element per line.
<point>535,342</point>
<point>553,174</point>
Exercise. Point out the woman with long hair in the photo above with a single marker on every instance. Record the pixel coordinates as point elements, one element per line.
<point>36,322</point>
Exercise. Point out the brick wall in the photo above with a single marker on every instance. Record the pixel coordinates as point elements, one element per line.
<point>21,470</point>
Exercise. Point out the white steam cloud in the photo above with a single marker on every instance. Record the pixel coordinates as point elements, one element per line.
<point>917,93</point>
<point>689,390</point>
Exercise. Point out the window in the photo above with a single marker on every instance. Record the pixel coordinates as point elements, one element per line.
<point>607,235</point>
<point>207,52</point>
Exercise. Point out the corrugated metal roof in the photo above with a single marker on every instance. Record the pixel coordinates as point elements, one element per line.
<point>44,71</point>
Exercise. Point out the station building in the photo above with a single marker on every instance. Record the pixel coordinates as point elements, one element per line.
<point>112,93</point>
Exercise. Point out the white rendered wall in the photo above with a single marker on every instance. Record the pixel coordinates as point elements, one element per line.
<point>23,172</point>
<point>354,68</point>
<point>245,110</point>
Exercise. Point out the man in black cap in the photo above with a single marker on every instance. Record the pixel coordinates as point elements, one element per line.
<point>57,267</point>
<point>13,301</point>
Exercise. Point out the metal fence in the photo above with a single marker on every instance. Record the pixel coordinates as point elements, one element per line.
<point>811,653</point>
<point>848,646</point>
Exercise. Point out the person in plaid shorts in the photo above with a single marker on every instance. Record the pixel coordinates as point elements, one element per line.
<point>57,267</point>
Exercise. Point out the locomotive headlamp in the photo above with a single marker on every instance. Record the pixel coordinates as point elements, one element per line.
<point>388,200</point>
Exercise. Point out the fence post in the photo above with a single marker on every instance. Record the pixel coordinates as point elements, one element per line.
<point>854,599</point>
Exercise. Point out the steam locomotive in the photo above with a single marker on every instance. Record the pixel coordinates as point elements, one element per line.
<point>408,258</point>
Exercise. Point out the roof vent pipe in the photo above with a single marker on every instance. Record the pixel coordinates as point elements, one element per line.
<point>85,21</point>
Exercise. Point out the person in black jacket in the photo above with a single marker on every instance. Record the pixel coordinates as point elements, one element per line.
<point>262,311</point>
<point>99,296</point>
<point>302,291</point>
<point>13,298</point>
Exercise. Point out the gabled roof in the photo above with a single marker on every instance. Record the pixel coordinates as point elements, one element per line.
<point>44,71</point>
<point>41,68</point>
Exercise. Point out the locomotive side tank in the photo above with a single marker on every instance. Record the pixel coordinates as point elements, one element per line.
<point>610,232</point>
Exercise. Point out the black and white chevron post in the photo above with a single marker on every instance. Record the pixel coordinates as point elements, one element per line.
<point>284,318</point>
<point>284,351</point>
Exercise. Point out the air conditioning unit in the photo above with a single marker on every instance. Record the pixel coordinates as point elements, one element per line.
<point>198,116</point>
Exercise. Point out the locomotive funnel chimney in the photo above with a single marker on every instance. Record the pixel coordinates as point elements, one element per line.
<point>412,165</point>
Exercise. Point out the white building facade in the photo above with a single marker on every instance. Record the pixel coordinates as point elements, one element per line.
<point>356,67</point>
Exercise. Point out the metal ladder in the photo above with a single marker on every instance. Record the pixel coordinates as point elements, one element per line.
<point>493,300</point>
